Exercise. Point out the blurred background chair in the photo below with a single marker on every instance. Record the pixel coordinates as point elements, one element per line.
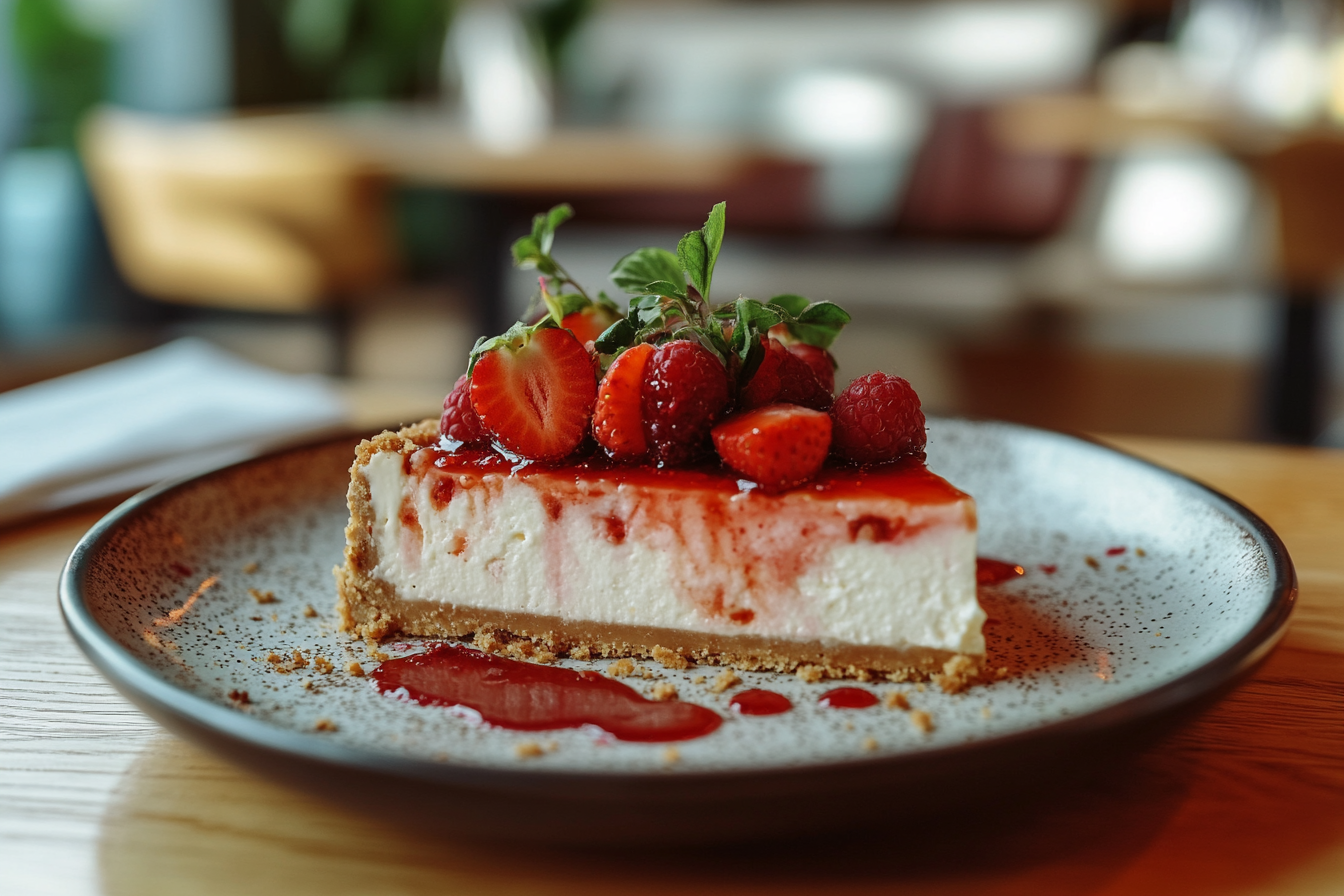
<point>241,215</point>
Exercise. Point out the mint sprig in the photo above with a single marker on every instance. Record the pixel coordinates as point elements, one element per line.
<point>699,250</point>
<point>533,252</point>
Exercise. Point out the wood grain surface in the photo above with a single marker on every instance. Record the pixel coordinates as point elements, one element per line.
<point>1249,798</point>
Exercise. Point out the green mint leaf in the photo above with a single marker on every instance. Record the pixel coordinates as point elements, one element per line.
<point>644,266</point>
<point>571,302</point>
<point>824,313</point>
<point>793,304</point>
<point>615,337</point>
<point>607,302</point>
<point>694,259</point>
<point>526,251</point>
<point>666,288</point>
<point>544,225</point>
<point>713,233</point>
<point>699,250</point>
<point>819,324</point>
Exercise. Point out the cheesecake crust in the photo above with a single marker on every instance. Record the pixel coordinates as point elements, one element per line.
<point>372,609</point>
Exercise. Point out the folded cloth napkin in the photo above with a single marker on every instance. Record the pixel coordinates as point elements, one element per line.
<point>185,407</point>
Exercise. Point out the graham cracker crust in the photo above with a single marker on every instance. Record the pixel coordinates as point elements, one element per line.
<point>370,608</point>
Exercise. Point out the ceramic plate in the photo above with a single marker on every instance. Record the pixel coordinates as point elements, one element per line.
<point>1144,594</point>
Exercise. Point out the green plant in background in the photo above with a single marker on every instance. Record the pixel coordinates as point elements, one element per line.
<point>65,68</point>
<point>554,22</point>
<point>366,49</point>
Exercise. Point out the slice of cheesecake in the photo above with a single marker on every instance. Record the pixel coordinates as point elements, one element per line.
<point>853,573</point>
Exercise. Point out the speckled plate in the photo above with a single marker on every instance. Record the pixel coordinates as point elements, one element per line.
<point>1145,595</point>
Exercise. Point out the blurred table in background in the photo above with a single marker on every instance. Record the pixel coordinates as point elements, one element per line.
<point>1248,798</point>
<point>1302,170</point>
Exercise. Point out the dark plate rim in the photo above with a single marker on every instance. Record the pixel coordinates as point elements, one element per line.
<point>137,680</point>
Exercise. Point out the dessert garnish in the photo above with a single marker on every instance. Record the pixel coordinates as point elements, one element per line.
<point>653,383</point>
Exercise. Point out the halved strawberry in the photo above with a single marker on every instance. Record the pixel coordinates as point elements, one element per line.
<point>618,418</point>
<point>777,446</point>
<point>589,323</point>
<point>535,393</point>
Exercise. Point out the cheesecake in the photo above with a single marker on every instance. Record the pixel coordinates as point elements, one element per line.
<point>677,481</point>
<point>857,572</point>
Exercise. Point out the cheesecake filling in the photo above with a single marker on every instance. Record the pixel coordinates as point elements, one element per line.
<point>861,570</point>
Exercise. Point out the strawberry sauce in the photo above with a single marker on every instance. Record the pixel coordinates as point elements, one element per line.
<point>848,698</point>
<point>757,702</point>
<point>996,572</point>
<point>528,697</point>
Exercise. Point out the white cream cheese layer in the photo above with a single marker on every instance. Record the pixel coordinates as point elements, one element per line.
<point>496,546</point>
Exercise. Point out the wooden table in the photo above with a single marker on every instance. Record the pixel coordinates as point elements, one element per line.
<point>95,797</point>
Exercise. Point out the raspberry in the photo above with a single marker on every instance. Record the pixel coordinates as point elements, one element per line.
<point>459,421</point>
<point>685,393</point>
<point>877,419</point>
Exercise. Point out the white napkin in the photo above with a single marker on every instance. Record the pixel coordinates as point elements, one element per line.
<point>184,407</point>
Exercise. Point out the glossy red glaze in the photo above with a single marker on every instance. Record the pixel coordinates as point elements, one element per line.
<point>908,478</point>
<point>529,697</point>
<point>757,702</point>
<point>995,572</point>
<point>848,698</point>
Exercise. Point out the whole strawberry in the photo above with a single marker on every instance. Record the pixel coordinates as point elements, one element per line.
<point>685,393</point>
<point>534,392</point>
<point>877,419</point>
<point>777,446</point>
<point>821,362</point>
<point>786,376</point>
<point>459,421</point>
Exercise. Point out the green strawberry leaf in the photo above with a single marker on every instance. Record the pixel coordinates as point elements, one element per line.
<point>544,226</point>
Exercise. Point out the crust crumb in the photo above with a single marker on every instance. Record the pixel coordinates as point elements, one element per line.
<point>958,674</point>
<point>920,687</point>
<point>699,679</point>
<point>240,697</point>
<point>520,650</point>
<point>895,700</point>
<point>250,568</point>
<point>1092,562</point>
<point>274,658</point>
<point>663,690</point>
<point>488,642</point>
<point>307,684</point>
<point>324,725</point>
<point>669,659</point>
<point>355,669</point>
<point>309,611</point>
<point>262,597</point>
<point>986,711</point>
<point>581,652</point>
<point>1140,552</point>
<point>323,665</point>
<point>528,749</point>
<point>299,660</point>
<point>869,744</point>
<point>921,720</point>
<point>1003,672</point>
<point>810,673</point>
<point>621,668</point>
<point>671,755</point>
<point>377,654</point>
<point>725,680</point>
<point>543,656</point>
